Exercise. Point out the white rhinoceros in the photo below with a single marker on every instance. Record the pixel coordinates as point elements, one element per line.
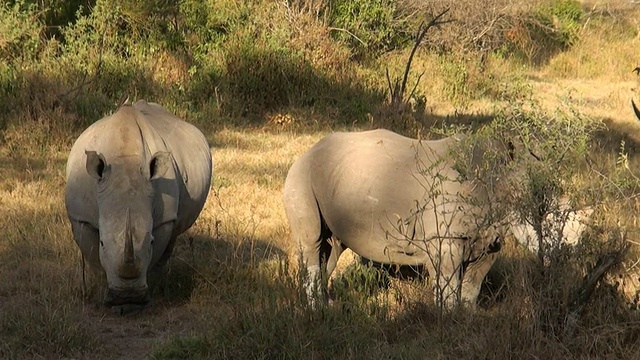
<point>394,200</point>
<point>135,181</point>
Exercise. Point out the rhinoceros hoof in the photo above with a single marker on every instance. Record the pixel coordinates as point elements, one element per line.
<point>127,309</point>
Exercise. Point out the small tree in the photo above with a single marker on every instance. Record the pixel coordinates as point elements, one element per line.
<point>541,182</point>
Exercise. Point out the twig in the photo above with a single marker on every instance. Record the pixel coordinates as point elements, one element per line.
<point>397,94</point>
<point>589,282</point>
<point>421,34</point>
<point>589,162</point>
<point>84,81</point>
<point>487,28</point>
<point>197,272</point>
<point>348,32</point>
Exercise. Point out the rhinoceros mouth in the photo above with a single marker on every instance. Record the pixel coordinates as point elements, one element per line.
<point>120,296</point>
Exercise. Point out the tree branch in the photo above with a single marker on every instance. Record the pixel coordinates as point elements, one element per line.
<point>397,92</point>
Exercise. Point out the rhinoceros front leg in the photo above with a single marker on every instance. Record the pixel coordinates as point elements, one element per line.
<point>474,276</point>
<point>163,243</point>
<point>448,267</point>
<point>88,239</point>
<point>479,262</point>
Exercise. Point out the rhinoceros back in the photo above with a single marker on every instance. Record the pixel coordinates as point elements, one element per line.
<point>192,157</point>
<point>160,131</point>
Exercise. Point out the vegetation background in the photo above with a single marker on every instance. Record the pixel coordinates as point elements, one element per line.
<point>264,80</point>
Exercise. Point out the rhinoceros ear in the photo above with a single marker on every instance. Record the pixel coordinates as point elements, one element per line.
<point>96,164</point>
<point>159,164</point>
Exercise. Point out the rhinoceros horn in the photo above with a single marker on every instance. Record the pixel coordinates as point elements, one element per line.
<point>129,268</point>
<point>129,256</point>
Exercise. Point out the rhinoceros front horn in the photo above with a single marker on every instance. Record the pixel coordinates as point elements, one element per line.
<point>129,256</point>
<point>129,268</point>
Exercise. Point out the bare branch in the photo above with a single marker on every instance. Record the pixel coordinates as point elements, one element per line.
<point>589,282</point>
<point>84,81</point>
<point>348,32</point>
<point>391,92</point>
<point>398,89</point>
<point>422,31</point>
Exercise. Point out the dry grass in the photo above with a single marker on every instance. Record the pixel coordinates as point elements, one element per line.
<point>230,272</point>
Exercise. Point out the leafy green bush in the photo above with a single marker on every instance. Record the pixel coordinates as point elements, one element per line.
<point>546,152</point>
<point>533,162</point>
<point>21,28</point>
<point>561,21</point>
<point>370,27</point>
<point>267,79</point>
<point>207,24</point>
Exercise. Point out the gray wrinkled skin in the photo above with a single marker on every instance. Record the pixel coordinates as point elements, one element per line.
<point>135,181</point>
<point>393,200</point>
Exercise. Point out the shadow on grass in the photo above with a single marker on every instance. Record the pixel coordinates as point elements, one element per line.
<point>610,139</point>
<point>40,287</point>
<point>253,81</point>
<point>22,169</point>
<point>203,261</point>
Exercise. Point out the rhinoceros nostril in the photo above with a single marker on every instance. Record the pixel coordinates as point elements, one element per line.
<point>129,271</point>
<point>135,297</point>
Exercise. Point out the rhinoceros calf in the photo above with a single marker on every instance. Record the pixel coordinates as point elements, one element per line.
<point>393,200</point>
<point>135,181</point>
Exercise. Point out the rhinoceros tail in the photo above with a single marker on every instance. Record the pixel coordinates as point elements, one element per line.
<point>635,109</point>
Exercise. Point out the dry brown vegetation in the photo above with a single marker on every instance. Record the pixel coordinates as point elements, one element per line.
<point>234,287</point>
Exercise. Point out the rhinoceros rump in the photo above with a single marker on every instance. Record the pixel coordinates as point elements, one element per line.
<point>393,200</point>
<point>135,181</point>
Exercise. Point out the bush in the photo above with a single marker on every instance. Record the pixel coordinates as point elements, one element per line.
<point>370,27</point>
<point>21,28</point>
<point>205,25</point>
<point>533,164</point>
<point>562,20</point>
<point>264,79</point>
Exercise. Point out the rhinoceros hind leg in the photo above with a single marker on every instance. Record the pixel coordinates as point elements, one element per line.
<point>336,250</point>
<point>320,258</point>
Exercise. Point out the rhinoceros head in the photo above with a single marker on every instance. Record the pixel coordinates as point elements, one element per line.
<point>125,208</point>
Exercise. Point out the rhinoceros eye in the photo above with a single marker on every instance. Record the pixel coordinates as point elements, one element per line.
<point>101,243</point>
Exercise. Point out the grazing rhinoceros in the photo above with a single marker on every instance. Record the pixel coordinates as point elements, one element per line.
<point>393,200</point>
<point>135,181</point>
